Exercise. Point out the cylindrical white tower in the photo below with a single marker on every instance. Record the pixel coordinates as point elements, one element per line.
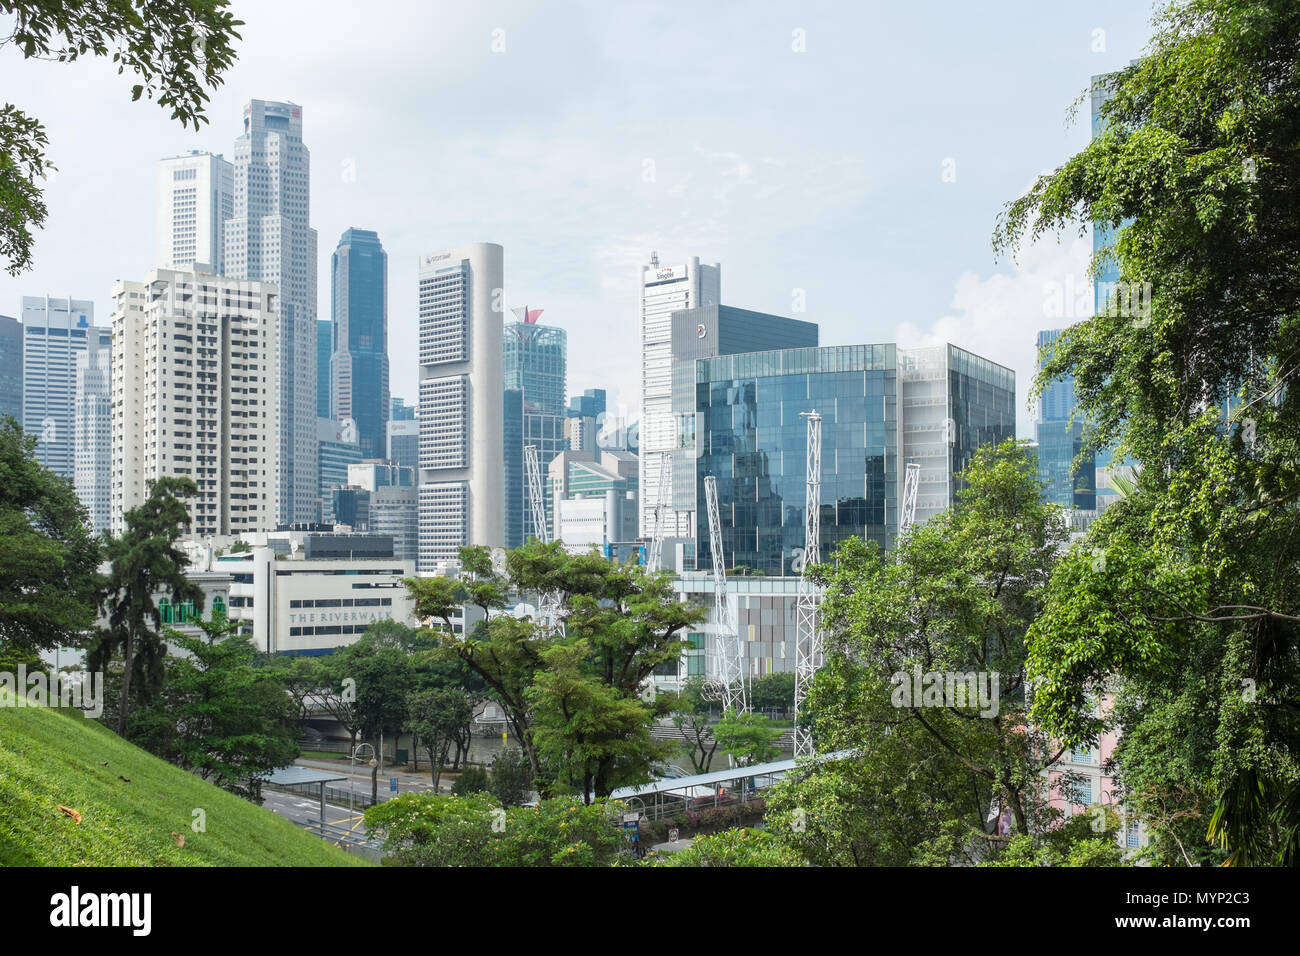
<point>462,460</point>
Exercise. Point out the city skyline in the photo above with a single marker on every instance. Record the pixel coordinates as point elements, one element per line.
<point>787,201</point>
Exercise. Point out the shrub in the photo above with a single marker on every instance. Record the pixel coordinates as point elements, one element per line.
<point>473,779</point>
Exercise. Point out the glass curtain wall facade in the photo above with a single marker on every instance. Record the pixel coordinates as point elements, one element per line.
<point>753,438</point>
<point>1060,441</point>
<point>533,361</point>
<point>359,364</point>
<point>751,435</point>
<point>513,437</point>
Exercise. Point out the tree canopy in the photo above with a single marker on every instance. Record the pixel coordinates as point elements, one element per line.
<point>1186,599</point>
<point>49,558</point>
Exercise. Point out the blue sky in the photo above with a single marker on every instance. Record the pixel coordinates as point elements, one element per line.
<point>582,136</point>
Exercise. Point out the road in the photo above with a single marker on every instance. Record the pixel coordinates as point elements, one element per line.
<point>359,778</point>
<point>302,811</point>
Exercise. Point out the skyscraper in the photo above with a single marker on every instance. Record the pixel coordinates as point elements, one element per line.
<point>705,332</point>
<point>324,349</point>
<point>583,420</point>
<point>512,439</point>
<point>196,195</point>
<point>462,491</point>
<point>93,433</point>
<point>663,290</point>
<point>533,363</point>
<point>338,450</point>
<point>269,238</point>
<point>881,406</point>
<point>195,395</point>
<point>11,367</point>
<point>1060,441</point>
<point>403,435</point>
<point>55,332</point>
<point>399,411</point>
<point>359,364</point>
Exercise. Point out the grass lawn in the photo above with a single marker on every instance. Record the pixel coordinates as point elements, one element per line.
<point>130,804</point>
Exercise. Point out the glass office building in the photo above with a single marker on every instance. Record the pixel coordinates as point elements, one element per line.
<point>1060,441</point>
<point>11,368</point>
<point>324,349</point>
<point>880,406</point>
<point>513,441</point>
<point>533,363</point>
<point>359,363</point>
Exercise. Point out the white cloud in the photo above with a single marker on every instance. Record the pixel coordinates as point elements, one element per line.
<point>999,316</point>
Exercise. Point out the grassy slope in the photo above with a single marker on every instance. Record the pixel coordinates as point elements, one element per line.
<point>51,757</point>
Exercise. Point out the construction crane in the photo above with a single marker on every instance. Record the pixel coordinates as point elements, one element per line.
<point>730,666</point>
<point>548,610</point>
<point>907,512</point>
<point>663,491</point>
<point>808,653</point>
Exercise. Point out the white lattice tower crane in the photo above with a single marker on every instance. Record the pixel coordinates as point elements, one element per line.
<point>548,610</point>
<point>663,490</point>
<point>730,662</point>
<point>808,653</point>
<point>907,513</point>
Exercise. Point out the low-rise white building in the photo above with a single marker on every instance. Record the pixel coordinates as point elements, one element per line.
<point>298,606</point>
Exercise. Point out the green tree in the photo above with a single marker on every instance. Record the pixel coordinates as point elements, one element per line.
<point>335,692</point>
<point>425,829</point>
<point>1080,841</point>
<point>896,802</point>
<point>773,691</point>
<point>300,676</point>
<point>956,599</point>
<point>592,736</point>
<point>504,651</point>
<point>176,48</point>
<point>1190,588</point>
<point>49,560</point>
<point>691,714</point>
<point>473,779</point>
<point>623,623</point>
<point>382,681</point>
<point>748,738</point>
<point>562,832</point>
<point>218,715</point>
<point>438,718</point>
<point>743,847</point>
<point>145,564</point>
<point>510,780</point>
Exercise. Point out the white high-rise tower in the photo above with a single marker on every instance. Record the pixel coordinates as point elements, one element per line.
<point>194,395</point>
<point>196,195</point>
<point>92,432</point>
<point>269,238</point>
<point>462,457</point>
<point>55,331</point>
<point>663,290</point>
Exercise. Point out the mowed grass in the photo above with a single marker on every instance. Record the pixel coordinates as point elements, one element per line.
<point>131,803</point>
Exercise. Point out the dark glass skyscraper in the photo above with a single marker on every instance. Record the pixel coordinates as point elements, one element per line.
<point>11,367</point>
<point>880,406</point>
<point>1060,441</point>
<point>516,489</point>
<point>359,365</point>
<point>324,349</point>
<point>534,364</point>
